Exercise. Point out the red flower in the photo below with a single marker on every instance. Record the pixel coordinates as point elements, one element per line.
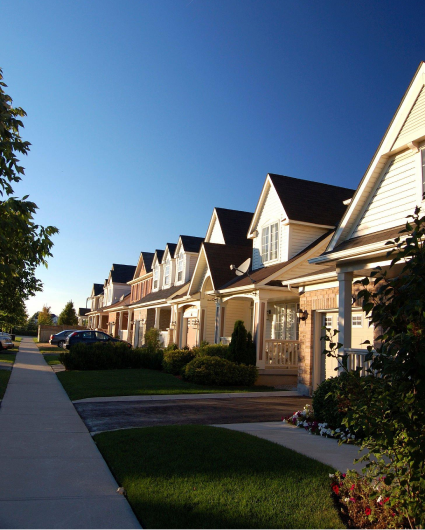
<point>344,475</point>
<point>352,499</point>
<point>335,489</point>
<point>368,511</point>
<point>386,499</point>
<point>352,487</point>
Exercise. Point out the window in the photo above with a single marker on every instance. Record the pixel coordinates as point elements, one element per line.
<point>180,267</point>
<point>285,322</point>
<point>270,242</point>
<point>357,321</point>
<point>155,277</point>
<point>101,336</point>
<point>328,321</point>
<point>167,272</point>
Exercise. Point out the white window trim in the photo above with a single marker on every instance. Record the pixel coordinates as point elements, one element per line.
<point>354,317</point>
<point>167,276</point>
<point>265,227</point>
<point>155,280</point>
<point>180,263</point>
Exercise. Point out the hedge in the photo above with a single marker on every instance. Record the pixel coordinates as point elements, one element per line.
<point>221,372</point>
<point>175,360</point>
<point>215,350</point>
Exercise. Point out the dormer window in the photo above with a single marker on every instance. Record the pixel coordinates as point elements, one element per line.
<point>155,277</point>
<point>180,267</point>
<point>167,272</point>
<point>270,242</point>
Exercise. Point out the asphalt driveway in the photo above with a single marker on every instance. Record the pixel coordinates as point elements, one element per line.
<point>107,416</point>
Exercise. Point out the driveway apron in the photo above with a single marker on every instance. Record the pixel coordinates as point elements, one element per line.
<point>52,474</point>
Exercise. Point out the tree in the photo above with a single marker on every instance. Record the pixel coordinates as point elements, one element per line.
<point>387,407</point>
<point>241,347</point>
<point>68,317</point>
<point>45,317</point>
<point>23,244</point>
<point>16,315</point>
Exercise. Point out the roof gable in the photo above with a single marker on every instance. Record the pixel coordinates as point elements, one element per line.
<point>97,289</point>
<point>144,264</point>
<point>170,249</point>
<point>157,259</point>
<point>121,273</point>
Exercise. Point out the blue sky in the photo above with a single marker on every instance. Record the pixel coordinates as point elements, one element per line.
<point>144,115</point>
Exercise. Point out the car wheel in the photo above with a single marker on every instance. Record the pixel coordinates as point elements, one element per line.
<point>61,343</point>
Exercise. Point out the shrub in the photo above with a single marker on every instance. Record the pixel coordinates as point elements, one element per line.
<point>325,402</point>
<point>175,360</point>
<point>171,347</point>
<point>242,349</point>
<point>152,342</point>
<point>215,350</point>
<point>216,371</point>
<point>110,356</point>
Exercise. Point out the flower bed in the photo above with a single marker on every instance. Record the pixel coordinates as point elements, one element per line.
<point>363,505</point>
<point>305,420</point>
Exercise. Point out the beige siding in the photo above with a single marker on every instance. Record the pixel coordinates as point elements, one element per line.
<point>237,310</point>
<point>301,236</point>
<point>191,262</point>
<point>414,126</point>
<point>393,199</point>
<point>271,211</point>
<point>216,234</point>
<point>210,321</point>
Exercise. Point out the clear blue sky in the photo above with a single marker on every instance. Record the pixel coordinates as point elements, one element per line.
<point>143,115</point>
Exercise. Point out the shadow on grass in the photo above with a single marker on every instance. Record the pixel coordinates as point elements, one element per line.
<point>207,477</point>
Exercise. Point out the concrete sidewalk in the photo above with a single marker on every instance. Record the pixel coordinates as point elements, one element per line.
<point>325,450</point>
<point>52,474</point>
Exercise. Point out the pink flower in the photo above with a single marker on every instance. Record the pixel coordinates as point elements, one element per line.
<point>344,475</point>
<point>352,487</point>
<point>352,499</point>
<point>368,511</point>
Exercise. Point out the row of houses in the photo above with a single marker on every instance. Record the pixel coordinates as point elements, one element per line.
<point>286,269</point>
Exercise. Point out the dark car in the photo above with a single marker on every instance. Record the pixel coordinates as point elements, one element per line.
<point>59,338</point>
<point>90,337</point>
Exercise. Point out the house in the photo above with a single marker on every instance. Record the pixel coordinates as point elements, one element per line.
<point>391,187</point>
<point>82,316</point>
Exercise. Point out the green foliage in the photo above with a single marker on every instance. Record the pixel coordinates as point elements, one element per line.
<point>242,349</point>
<point>175,360</point>
<point>45,317</point>
<point>388,405</point>
<point>327,401</point>
<point>171,347</point>
<point>152,341</point>
<point>110,356</point>
<point>68,316</point>
<point>23,244</point>
<point>215,350</point>
<point>217,371</point>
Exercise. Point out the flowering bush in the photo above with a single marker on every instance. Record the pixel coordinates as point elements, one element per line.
<point>305,420</point>
<point>365,505</point>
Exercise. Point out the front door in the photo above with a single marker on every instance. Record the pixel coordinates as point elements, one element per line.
<point>192,329</point>
<point>328,364</point>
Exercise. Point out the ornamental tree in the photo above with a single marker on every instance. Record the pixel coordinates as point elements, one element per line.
<point>45,317</point>
<point>23,244</point>
<point>68,316</point>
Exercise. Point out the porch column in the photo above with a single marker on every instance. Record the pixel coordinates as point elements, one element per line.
<point>218,309</point>
<point>129,327</point>
<point>157,312</point>
<point>179,319</point>
<point>260,314</point>
<point>345,280</point>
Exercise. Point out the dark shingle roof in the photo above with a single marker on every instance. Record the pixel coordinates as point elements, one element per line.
<point>122,273</point>
<point>234,225</point>
<point>98,288</point>
<point>220,257</point>
<point>162,294</point>
<point>83,311</point>
<point>311,202</point>
<point>159,254</point>
<point>191,243</point>
<point>171,249</point>
<point>147,260</point>
<point>368,239</point>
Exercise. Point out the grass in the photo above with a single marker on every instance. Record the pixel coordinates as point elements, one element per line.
<point>51,358</point>
<point>208,477</point>
<point>4,379</point>
<point>132,382</point>
<point>49,349</point>
<point>7,356</point>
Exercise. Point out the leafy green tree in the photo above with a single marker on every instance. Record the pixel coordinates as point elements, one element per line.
<point>387,406</point>
<point>16,315</point>
<point>23,244</point>
<point>68,317</point>
<point>45,317</point>
<point>241,348</point>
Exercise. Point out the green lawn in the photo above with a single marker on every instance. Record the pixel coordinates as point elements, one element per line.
<point>208,477</point>
<point>50,349</point>
<point>4,379</point>
<point>7,356</point>
<point>132,382</point>
<point>51,358</point>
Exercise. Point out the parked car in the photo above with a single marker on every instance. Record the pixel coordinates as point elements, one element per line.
<point>5,341</point>
<point>90,337</point>
<point>59,338</point>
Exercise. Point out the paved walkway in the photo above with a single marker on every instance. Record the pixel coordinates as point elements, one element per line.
<point>325,450</point>
<point>52,474</point>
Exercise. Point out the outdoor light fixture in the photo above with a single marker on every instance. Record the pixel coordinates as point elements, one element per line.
<point>302,315</point>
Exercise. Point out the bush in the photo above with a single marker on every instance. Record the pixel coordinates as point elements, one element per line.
<point>110,356</point>
<point>215,350</point>
<point>175,360</point>
<point>216,371</point>
<point>242,349</point>
<point>325,402</point>
<point>152,342</point>
<point>171,347</point>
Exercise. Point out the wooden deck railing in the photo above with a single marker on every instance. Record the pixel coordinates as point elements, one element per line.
<point>356,359</point>
<point>282,353</point>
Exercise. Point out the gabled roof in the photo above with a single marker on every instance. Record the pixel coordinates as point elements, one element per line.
<point>170,249</point>
<point>220,257</point>
<point>145,261</point>
<point>234,226</point>
<point>123,301</point>
<point>191,243</point>
<point>97,289</point>
<point>158,255</point>
<point>82,311</point>
<point>311,202</point>
<point>162,294</point>
<point>122,273</point>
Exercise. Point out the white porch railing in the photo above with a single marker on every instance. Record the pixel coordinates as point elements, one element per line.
<point>225,340</point>
<point>123,333</point>
<point>356,359</point>
<point>163,338</point>
<point>282,353</point>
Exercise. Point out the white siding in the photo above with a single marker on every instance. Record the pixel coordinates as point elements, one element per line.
<point>237,310</point>
<point>393,199</point>
<point>301,236</point>
<point>191,262</point>
<point>272,210</point>
<point>414,126</point>
<point>216,234</point>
